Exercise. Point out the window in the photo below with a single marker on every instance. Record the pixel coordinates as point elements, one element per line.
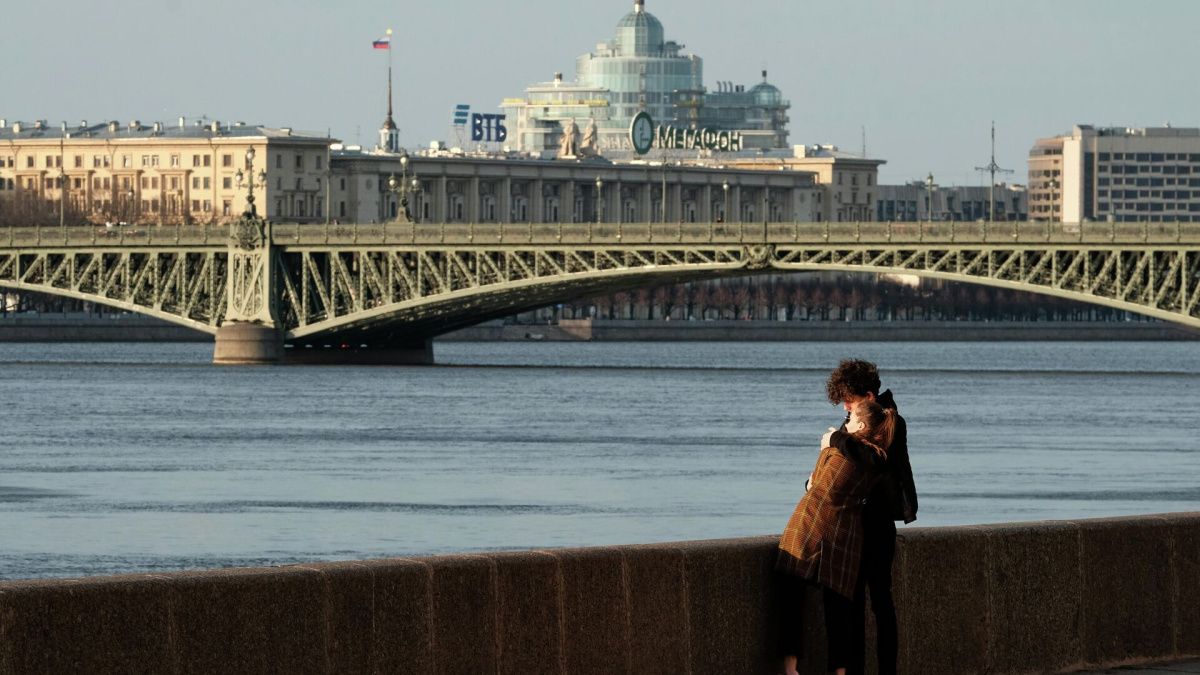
<point>1104,156</point>
<point>127,161</point>
<point>78,184</point>
<point>174,182</point>
<point>318,183</point>
<point>207,186</point>
<point>107,184</point>
<point>154,182</point>
<point>299,161</point>
<point>208,162</point>
<point>226,160</point>
<point>195,162</point>
<point>49,162</point>
<point>278,183</point>
<point>278,161</point>
<point>145,160</point>
<point>125,184</point>
<point>227,183</point>
<point>175,161</point>
<point>208,205</point>
<point>320,163</point>
<point>145,183</point>
<point>299,183</point>
<point>78,161</point>
<point>195,182</point>
<point>226,207</point>
<point>1156,157</point>
<point>343,187</point>
<point>195,204</point>
<point>29,162</point>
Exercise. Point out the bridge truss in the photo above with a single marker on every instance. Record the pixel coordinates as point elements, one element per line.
<point>377,284</point>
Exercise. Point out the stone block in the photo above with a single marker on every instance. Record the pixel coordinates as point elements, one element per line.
<point>729,596</point>
<point>596,630</point>
<point>101,625</point>
<point>1185,541</point>
<point>529,616</point>
<point>465,608</point>
<point>269,620</point>
<point>943,611</point>
<point>658,628</point>
<point>1127,589</point>
<point>1034,589</point>
<point>380,616</point>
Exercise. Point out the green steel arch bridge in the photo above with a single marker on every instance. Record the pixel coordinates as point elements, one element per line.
<point>384,291</point>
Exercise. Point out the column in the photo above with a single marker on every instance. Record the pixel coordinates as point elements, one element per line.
<point>706,209</point>
<point>442,208</point>
<point>473,201</point>
<point>733,212</point>
<point>537,202</point>
<point>506,212</point>
<point>566,202</point>
<point>645,203</point>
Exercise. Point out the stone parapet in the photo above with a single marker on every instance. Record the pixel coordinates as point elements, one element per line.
<point>1014,598</point>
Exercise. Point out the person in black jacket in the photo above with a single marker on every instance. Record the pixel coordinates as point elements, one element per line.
<point>893,498</point>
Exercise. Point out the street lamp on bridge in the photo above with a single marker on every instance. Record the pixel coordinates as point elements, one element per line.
<point>251,182</point>
<point>599,199</point>
<point>404,187</point>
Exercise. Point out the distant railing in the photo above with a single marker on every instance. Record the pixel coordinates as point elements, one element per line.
<point>582,234</point>
<point>103,236</point>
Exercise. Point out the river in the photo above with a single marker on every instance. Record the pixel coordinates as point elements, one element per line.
<point>129,458</point>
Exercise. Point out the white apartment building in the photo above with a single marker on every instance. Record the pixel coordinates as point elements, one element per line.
<point>1119,174</point>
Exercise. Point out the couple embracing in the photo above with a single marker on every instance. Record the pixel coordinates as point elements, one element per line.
<point>841,539</point>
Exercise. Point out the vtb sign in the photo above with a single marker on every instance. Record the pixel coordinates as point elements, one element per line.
<point>644,135</point>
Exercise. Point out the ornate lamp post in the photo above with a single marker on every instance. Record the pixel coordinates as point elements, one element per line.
<point>724,200</point>
<point>929,188</point>
<point>599,199</point>
<point>404,187</point>
<point>251,181</point>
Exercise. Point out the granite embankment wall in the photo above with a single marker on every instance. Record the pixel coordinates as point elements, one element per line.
<point>826,331</point>
<point>132,328</point>
<point>1017,598</point>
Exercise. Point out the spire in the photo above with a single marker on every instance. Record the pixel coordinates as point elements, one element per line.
<point>389,123</point>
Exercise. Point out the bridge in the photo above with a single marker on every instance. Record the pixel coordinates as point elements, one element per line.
<point>379,293</point>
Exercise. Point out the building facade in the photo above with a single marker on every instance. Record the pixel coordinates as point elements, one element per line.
<point>849,183</point>
<point>488,189</point>
<point>640,70</point>
<point>159,173</point>
<point>924,201</point>
<point>1118,174</point>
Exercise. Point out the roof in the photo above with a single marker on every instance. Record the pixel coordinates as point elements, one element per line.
<point>200,130</point>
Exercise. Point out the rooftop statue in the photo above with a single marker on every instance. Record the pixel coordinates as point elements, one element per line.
<point>568,145</point>
<point>591,141</point>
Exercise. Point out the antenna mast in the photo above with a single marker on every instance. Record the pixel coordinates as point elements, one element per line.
<point>992,169</point>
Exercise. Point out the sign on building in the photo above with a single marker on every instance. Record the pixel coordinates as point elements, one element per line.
<point>645,135</point>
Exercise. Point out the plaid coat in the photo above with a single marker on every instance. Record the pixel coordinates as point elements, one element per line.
<point>823,539</point>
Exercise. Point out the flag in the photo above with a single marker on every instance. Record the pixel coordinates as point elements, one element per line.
<point>383,43</point>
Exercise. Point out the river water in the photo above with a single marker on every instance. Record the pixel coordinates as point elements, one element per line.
<point>122,458</point>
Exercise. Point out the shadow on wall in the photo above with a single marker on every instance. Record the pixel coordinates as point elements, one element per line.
<point>1030,597</point>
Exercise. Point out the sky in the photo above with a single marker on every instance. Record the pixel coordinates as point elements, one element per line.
<point>923,78</point>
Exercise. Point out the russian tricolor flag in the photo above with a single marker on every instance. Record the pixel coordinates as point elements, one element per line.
<point>383,43</point>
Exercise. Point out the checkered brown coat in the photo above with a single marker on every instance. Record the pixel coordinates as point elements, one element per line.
<point>823,539</point>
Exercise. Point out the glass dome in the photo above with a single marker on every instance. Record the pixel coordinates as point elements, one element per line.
<point>766,94</point>
<point>639,33</point>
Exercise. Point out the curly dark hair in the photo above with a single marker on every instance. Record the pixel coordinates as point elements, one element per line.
<point>852,377</point>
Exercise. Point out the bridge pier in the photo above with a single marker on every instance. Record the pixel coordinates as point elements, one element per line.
<point>247,344</point>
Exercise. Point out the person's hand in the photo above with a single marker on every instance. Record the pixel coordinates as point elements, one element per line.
<point>827,438</point>
<point>808,483</point>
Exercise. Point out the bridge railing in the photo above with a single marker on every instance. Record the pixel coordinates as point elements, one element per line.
<point>114,235</point>
<point>582,234</point>
<point>516,234</point>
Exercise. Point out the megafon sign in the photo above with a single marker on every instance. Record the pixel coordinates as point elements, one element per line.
<point>644,135</point>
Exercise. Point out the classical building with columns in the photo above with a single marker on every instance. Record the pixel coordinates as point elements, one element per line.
<point>460,189</point>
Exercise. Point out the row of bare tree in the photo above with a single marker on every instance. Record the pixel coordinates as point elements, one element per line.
<point>858,297</point>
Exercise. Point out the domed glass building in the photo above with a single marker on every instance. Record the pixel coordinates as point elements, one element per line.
<point>639,69</point>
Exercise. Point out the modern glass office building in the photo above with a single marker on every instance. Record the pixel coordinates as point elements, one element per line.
<point>639,69</point>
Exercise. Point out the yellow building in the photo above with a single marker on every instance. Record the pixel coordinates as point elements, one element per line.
<point>850,183</point>
<point>158,173</point>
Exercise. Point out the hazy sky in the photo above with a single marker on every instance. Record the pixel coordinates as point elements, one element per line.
<point>924,77</point>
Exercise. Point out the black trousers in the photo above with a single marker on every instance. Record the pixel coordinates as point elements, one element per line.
<point>839,622</point>
<point>875,574</point>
